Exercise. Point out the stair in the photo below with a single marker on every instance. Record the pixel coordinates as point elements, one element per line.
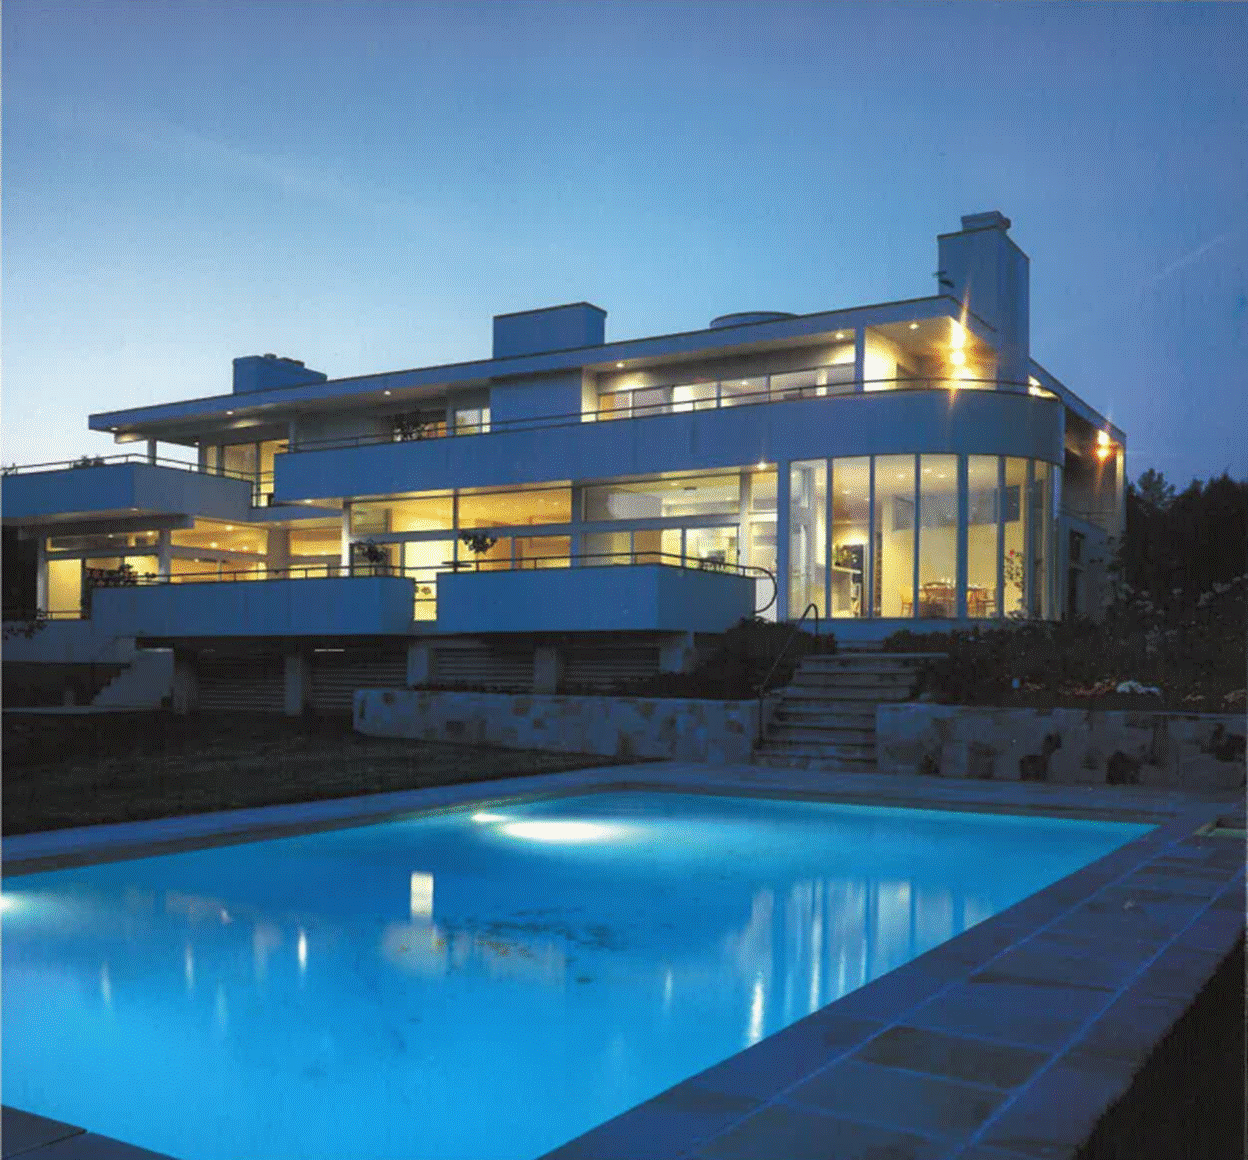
<point>826,716</point>
<point>143,684</point>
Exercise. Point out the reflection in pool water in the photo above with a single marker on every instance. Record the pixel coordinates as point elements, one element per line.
<point>475,985</point>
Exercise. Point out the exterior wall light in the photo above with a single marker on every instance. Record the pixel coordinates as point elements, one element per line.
<point>1104,447</point>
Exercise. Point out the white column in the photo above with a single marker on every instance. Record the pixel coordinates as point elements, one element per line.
<point>41,573</point>
<point>419,663</point>
<point>783,491</point>
<point>151,451</point>
<point>346,537</point>
<point>297,683</point>
<point>547,669</point>
<point>164,553</point>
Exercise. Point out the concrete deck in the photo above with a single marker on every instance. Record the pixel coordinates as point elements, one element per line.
<point>1008,1042</point>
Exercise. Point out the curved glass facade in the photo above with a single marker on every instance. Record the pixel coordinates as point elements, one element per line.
<point>923,536</point>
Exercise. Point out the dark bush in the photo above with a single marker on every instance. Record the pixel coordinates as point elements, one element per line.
<point>1194,656</point>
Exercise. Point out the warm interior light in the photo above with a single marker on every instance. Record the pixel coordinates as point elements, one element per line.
<point>957,357</point>
<point>619,366</point>
<point>957,336</point>
<point>840,334</point>
<point>914,326</point>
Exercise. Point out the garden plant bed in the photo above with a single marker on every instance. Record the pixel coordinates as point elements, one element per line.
<point>89,769</point>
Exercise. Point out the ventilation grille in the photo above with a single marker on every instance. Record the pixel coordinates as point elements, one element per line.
<point>252,683</point>
<point>602,666</point>
<point>336,676</point>
<point>480,666</point>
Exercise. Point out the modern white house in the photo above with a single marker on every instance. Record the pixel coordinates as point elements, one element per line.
<point>571,510</point>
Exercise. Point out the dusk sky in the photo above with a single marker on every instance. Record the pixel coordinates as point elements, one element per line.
<point>363,185</point>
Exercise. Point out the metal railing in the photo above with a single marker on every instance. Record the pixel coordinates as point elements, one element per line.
<point>795,628</point>
<point>668,407</point>
<point>89,461</point>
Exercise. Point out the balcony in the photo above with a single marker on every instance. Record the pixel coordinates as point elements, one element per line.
<point>124,486</point>
<point>662,596</point>
<point>659,438</point>
<point>313,607</point>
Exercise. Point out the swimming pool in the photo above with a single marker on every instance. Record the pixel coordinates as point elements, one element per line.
<point>481,983</point>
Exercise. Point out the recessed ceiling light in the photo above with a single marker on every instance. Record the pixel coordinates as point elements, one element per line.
<point>840,334</point>
<point>385,392</point>
<point>229,412</point>
<point>914,326</point>
<point>618,366</point>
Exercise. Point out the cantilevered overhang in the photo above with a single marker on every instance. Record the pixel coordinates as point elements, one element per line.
<point>874,423</point>
<point>114,491</point>
<point>182,421</point>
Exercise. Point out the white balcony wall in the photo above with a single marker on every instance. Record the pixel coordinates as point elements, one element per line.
<point>888,422</point>
<point>125,490</point>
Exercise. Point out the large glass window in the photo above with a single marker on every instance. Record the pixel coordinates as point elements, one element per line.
<point>851,521</point>
<point>710,547</point>
<point>1014,547</point>
<point>543,551</point>
<point>506,508</point>
<point>982,508</point>
<point>64,586</point>
<point>938,535</point>
<point>893,535</point>
<point>607,548</point>
<point>1041,517</point>
<point>808,559</point>
<point>694,495</point>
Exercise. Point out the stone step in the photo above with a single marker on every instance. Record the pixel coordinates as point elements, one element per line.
<point>851,677</point>
<point>856,665</point>
<point>813,692</point>
<point>820,735</point>
<point>797,713</point>
<point>847,751</point>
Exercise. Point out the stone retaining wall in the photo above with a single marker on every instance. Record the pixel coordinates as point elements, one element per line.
<point>718,732</point>
<point>1071,746</point>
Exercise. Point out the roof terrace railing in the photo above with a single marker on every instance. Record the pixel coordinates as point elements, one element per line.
<point>86,461</point>
<point>716,398</point>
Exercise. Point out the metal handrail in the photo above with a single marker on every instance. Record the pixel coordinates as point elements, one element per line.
<point>88,461</point>
<point>794,630</point>
<point>360,568</point>
<point>577,418</point>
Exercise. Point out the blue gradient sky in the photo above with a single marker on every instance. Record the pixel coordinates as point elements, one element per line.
<point>362,185</point>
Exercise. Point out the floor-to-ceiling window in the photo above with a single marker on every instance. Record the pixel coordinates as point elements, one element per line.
<point>983,523</point>
<point>893,536</point>
<point>851,522</point>
<point>938,535</point>
<point>808,560</point>
<point>1014,538</point>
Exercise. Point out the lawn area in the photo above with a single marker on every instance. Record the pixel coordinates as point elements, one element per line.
<point>78,770</point>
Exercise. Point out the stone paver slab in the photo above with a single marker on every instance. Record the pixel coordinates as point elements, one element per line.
<point>957,1057</point>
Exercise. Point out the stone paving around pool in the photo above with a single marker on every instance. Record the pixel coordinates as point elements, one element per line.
<point>1008,1042</point>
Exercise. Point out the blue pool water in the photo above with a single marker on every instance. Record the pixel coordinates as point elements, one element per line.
<point>479,985</point>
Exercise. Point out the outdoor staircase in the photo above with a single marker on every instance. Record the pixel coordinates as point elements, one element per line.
<point>143,684</point>
<point>826,715</point>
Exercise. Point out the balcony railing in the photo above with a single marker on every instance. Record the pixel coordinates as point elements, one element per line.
<point>426,584</point>
<point>626,405</point>
<point>261,482</point>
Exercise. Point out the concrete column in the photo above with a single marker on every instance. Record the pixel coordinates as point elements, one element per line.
<point>677,653</point>
<point>296,683</point>
<point>860,357</point>
<point>346,538</point>
<point>547,669</point>
<point>164,553</point>
<point>151,451</point>
<point>783,491</point>
<point>277,550</point>
<point>41,572</point>
<point>964,516</point>
<point>420,661</point>
<point>185,683</point>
